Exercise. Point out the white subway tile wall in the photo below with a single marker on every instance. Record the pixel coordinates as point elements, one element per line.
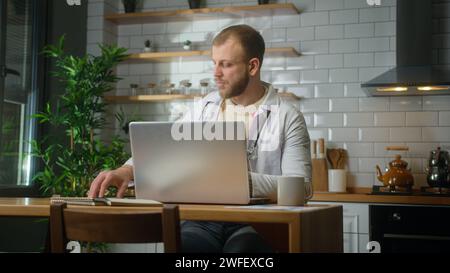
<point>358,119</point>
<point>384,119</point>
<point>343,105</point>
<point>342,42</point>
<point>327,120</point>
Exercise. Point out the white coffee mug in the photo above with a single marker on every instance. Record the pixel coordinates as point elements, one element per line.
<point>337,180</point>
<point>292,191</point>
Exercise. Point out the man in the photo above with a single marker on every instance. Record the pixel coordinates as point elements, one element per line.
<point>278,140</point>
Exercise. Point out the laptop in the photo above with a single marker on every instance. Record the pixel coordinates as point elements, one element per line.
<point>191,162</point>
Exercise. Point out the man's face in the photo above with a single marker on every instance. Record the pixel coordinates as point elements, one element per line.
<point>231,72</point>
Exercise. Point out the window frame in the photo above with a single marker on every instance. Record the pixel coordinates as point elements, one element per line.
<point>39,29</point>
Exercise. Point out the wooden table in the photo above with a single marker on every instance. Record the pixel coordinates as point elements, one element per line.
<point>316,228</point>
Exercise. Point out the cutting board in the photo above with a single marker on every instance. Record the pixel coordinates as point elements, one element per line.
<point>319,174</point>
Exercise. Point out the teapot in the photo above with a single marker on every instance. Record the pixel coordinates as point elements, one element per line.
<point>438,169</point>
<point>397,175</point>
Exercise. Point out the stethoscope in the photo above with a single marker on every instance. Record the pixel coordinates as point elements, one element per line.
<point>251,145</point>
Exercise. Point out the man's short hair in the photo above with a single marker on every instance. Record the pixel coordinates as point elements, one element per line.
<point>250,40</point>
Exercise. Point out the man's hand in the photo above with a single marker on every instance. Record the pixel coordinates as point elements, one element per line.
<point>118,178</point>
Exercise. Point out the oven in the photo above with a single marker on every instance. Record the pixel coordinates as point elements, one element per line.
<point>408,228</point>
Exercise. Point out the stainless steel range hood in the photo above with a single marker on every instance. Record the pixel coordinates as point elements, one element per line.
<point>415,73</point>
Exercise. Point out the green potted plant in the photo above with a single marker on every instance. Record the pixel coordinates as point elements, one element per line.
<point>69,169</point>
<point>187,45</point>
<point>124,120</point>
<point>148,46</point>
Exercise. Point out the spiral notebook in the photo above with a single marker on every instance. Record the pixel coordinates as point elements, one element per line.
<point>105,201</point>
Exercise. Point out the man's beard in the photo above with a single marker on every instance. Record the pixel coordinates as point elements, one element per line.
<point>237,88</point>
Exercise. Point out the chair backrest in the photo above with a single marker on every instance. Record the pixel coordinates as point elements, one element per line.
<point>92,225</point>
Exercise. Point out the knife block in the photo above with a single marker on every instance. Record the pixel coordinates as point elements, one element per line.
<point>319,174</point>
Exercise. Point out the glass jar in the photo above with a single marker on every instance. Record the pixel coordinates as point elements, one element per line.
<point>151,89</point>
<point>167,87</point>
<point>205,85</point>
<point>203,88</point>
<point>170,89</point>
<point>186,88</point>
<point>134,89</point>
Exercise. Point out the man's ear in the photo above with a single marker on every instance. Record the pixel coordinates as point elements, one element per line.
<point>254,66</point>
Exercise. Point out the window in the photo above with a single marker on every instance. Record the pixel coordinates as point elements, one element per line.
<point>19,32</point>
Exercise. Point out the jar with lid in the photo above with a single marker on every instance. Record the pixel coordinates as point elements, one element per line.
<point>185,87</point>
<point>134,89</point>
<point>170,89</point>
<point>151,89</point>
<point>167,87</point>
<point>203,88</point>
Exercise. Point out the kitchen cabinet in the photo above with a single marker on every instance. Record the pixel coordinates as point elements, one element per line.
<point>355,243</point>
<point>355,226</point>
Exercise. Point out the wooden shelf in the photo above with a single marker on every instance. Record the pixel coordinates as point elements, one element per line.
<point>165,98</point>
<point>202,14</point>
<point>147,98</point>
<point>201,55</point>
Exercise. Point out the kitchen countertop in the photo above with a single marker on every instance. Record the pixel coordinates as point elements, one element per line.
<point>362,196</point>
<point>357,195</point>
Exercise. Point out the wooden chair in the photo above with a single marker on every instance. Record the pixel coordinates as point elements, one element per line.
<point>83,224</point>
